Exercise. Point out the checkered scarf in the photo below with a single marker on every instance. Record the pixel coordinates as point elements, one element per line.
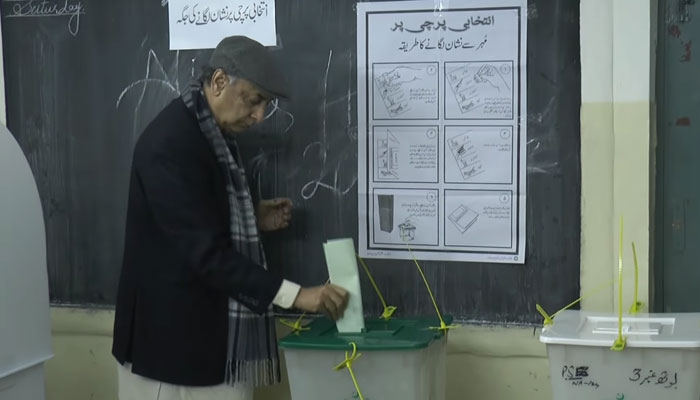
<point>252,342</point>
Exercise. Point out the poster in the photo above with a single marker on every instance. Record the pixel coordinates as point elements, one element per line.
<point>441,115</point>
<point>201,24</point>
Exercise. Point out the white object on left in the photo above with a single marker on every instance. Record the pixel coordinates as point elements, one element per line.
<point>25,325</point>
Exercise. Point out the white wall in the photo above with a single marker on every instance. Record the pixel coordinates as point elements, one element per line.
<point>617,57</point>
<point>3,116</point>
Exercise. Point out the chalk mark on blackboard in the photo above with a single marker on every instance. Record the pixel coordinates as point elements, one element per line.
<point>540,151</point>
<point>143,42</point>
<point>260,161</point>
<point>325,105</point>
<point>177,70</point>
<point>310,189</point>
<point>144,82</point>
<point>152,57</point>
<point>349,128</point>
<point>156,75</point>
<point>45,8</point>
<point>275,107</point>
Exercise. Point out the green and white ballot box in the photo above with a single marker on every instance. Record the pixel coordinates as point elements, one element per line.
<point>395,359</point>
<point>660,360</point>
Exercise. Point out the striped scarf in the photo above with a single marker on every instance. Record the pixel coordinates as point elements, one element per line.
<point>252,342</point>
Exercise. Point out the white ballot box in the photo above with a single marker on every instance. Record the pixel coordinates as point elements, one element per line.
<point>661,360</point>
<point>25,328</point>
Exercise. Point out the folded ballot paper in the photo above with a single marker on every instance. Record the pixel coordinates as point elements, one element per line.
<point>342,269</point>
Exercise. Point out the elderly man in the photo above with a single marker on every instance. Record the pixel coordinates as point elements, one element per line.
<point>193,317</point>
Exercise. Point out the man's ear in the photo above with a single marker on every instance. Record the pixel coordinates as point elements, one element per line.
<point>219,81</point>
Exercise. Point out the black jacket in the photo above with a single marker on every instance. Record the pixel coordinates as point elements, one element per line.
<point>179,265</point>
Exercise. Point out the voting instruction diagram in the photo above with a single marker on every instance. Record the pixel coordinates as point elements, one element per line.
<point>441,165</point>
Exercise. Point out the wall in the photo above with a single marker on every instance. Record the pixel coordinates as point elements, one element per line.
<point>617,50</point>
<point>483,362</point>
<point>495,362</point>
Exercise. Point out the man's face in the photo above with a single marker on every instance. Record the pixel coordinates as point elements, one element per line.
<point>236,106</point>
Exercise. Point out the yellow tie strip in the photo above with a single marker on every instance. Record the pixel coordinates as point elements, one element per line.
<point>296,325</point>
<point>443,326</point>
<point>347,363</point>
<point>637,306</point>
<point>549,319</point>
<point>388,310</point>
<point>620,342</point>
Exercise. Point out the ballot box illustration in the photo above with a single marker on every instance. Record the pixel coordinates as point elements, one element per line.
<point>386,212</point>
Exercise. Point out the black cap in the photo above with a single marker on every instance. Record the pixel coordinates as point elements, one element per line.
<point>250,60</point>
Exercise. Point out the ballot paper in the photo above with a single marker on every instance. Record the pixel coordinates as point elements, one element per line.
<point>342,269</point>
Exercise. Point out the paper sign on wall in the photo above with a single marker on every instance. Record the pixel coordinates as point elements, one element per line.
<point>442,160</point>
<point>201,24</point>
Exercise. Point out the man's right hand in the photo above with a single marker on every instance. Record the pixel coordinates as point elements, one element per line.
<point>328,299</point>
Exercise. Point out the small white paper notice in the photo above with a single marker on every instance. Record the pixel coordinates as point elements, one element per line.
<point>342,269</point>
<point>201,24</point>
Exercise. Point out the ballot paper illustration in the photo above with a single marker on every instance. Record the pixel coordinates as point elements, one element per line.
<point>479,218</point>
<point>406,90</point>
<point>480,154</point>
<point>388,155</point>
<point>391,88</point>
<point>466,155</point>
<point>481,89</point>
<point>342,269</point>
<point>463,218</point>
<point>406,153</point>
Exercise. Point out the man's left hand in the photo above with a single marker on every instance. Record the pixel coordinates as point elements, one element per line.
<point>274,214</point>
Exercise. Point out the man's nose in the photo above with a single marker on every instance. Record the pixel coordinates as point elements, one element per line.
<point>259,113</point>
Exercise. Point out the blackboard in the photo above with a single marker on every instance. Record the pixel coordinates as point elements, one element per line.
<point>81,88</point>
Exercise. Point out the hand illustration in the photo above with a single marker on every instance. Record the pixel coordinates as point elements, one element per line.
<point>488,74</point>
